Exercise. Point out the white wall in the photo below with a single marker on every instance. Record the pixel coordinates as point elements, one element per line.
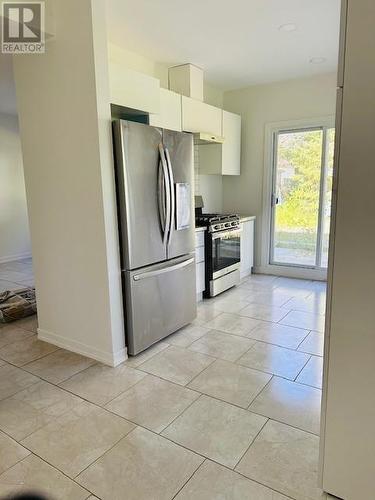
<point>137,62</point>
<point>258,106</point>
<point>210,187</point>
<point>14,225</point>
<point>348,437</point>
<point>65,125</point>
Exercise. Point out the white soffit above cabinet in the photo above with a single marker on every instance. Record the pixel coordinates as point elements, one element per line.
<point>237,43</point>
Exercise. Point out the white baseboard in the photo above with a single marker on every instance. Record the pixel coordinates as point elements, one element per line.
<point>246,273</point>
<point>111,359</point>
<point>12,258</point>
<point>292,272</point>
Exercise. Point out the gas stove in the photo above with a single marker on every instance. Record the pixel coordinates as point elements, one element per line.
<point>222,244</point>
<point>217,222</point>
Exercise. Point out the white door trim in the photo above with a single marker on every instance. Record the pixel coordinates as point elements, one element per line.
<point>270,130</point>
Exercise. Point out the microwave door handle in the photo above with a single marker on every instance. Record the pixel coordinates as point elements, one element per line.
<point>172,198</point>
<point>164,198</point>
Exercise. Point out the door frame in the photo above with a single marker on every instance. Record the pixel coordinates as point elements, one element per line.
<point>270,132</point>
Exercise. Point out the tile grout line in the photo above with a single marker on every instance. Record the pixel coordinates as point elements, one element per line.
<point>184,385</point>
<point>302,341</point>
<point>291,349</point>
<point>299,373</point>
<point>151,357</point>
<point>21,367</point>
<point>180,415</point>
<point>186,482</point>
<point>285,423</point>
<point>23,330</point>
<point>216,399</point>
<point>178,385</point>
<point>170,440</point>
<point>238,473</point>
<point>137,368</point>
<point>263,388</point>
<point>107,451</point>
<point>279,345</point>
<point>18,461</point>
<point>32,453</point>
<point>252,442</point>
<point>20,390</point>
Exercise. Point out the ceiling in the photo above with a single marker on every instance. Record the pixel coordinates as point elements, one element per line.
<point>237,42</point>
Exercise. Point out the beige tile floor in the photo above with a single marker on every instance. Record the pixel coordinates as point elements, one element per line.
<point>227,408</point>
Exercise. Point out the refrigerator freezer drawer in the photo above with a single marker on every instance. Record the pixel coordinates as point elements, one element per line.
<point>160,299</point>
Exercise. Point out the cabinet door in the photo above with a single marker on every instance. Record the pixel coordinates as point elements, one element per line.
<point>200,270</point>
<point>133,90</point>
<point>247,248</point>
<point>223,159</point>
<point>199,238</point>
<point>210,159</point>
<point>198,116</point>
<point>231,153</point>
<point>170,111</point>
<point>251,233</point>
<point>199,255</point>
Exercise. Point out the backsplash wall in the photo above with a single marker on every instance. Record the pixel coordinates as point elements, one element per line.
<point>210,187</point>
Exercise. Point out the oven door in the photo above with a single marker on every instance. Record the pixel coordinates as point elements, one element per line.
<point>225,252</point>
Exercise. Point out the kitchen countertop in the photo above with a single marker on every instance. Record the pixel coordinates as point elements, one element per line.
<point>199,229</point>
<point>245,218</point>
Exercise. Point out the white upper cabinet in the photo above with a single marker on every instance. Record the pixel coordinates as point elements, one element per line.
<point>231,149</point>
<point>170,111</point>
<point>223,159</point>
<point>134,90</point>
<point>198,116</point>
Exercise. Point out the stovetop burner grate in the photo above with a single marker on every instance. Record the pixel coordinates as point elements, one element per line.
<point>215,222</point>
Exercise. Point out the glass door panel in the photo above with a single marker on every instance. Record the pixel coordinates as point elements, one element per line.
<point>225,250</point>
<point>301,197</point>
<point>298,163</point>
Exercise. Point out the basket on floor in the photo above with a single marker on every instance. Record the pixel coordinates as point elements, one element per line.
<point>17,304</point>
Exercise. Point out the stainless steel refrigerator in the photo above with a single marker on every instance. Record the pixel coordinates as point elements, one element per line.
<point>154,180</point>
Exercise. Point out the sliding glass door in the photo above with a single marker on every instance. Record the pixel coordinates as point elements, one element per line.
<point>301,197</point>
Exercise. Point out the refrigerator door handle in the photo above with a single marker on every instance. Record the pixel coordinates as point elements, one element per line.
<point>151,274</point>
<point>164,195</point>
<point>173,199</point>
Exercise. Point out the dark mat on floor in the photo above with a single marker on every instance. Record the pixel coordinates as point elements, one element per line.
<point>17,304</point>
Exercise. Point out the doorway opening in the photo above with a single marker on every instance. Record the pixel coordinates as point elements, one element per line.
<point>299,197</point>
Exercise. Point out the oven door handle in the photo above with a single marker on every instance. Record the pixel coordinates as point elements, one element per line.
<point>232,232</point>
